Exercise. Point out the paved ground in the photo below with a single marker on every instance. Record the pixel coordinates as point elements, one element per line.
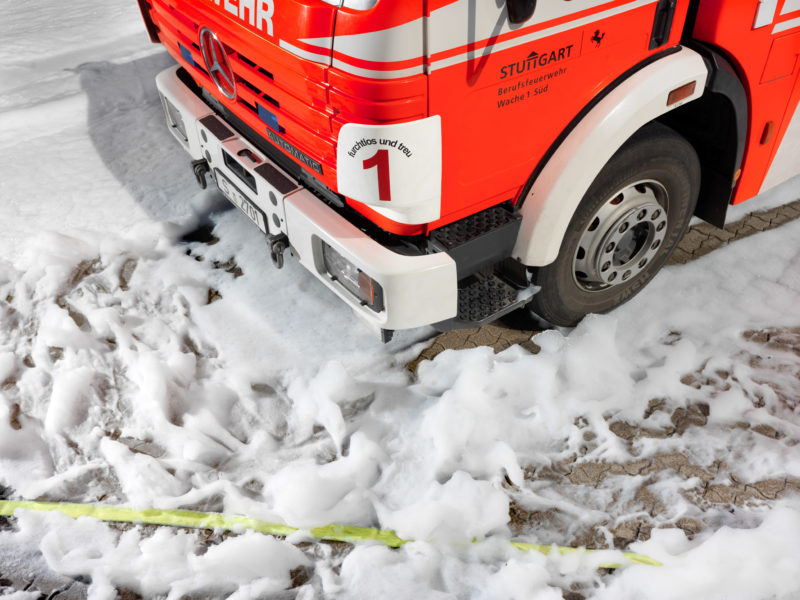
<point>708,486</point>
<point>518,328</point>
<point>713,485</point>
<point>631,494</point>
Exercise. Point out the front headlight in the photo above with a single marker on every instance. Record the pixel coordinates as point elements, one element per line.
<point>174,118</point>
<point>354,280</point>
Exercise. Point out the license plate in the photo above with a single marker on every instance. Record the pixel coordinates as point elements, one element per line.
<point>236,196</point>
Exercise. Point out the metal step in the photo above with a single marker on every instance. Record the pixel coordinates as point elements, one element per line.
<point>484,298</point>
<point>478,241</point>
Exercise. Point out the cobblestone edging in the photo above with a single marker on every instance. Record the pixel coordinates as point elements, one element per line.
<point>698,241</point>
<point>701,239</point>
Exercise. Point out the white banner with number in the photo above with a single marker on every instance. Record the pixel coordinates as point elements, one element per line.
<point>396,169</point>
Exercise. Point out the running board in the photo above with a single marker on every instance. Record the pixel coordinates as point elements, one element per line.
<point>479,241</point>
<point>484,298</point>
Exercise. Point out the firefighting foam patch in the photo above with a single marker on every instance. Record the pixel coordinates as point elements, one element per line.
<point>201,520</point>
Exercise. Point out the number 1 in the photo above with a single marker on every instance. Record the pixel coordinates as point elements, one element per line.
<point>381,160</point>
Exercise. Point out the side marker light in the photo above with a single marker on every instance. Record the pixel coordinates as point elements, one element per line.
<point>766,135</point>
<point>681,93</point>
<point>354,280</point>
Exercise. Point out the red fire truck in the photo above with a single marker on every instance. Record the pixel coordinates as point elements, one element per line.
<point>436,161</point>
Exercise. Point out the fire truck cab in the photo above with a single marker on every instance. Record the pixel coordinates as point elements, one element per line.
<point>439,161</point>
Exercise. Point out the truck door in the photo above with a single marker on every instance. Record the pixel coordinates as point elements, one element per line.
<point>782,64</point>
<point>763,39</point>
<point>506,91</point>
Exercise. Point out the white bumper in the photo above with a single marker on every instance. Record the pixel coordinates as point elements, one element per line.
<point>417,290</point>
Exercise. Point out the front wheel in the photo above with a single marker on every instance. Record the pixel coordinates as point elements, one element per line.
<point>626,226</point>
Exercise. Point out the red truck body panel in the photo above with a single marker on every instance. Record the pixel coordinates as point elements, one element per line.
<point>505,97</point>
<point>766,60</point>
<point>505,112</point>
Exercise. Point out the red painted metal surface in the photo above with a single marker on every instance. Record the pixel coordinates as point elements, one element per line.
<point>767,63</point>
<point>504,96</point>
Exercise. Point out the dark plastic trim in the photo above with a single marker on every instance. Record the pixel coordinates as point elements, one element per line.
<point>662,23</point>
<point>718,181</point>
<point>277,179</point>
<point>479,241</point>
<point>216,127</point>
<point>724,80</point>
<point>152,29</point>
<point>520,11</point>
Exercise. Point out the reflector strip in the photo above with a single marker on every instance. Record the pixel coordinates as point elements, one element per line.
<point>786,25</point>
<point>766,135</point>
<point>201,520</point>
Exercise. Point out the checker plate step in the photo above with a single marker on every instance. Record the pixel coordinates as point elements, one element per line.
<point>478,241</point>
<point>482,299</point>
<point>472,227</point>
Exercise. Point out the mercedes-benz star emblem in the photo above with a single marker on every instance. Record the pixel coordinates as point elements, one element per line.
<point>219,69</point>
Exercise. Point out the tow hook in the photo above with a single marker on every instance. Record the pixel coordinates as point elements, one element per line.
<point>200,168</point>
<point>277,246</point>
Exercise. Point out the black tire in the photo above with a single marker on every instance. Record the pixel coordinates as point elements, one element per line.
<point>624,229</point>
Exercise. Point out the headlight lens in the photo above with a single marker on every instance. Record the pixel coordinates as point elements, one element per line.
<point>174,118</point>
<point>354,280</point>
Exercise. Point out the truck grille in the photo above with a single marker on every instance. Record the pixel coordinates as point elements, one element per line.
<point>274,90</point>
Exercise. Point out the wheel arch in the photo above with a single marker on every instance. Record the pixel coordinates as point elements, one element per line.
<point>556,189</point>
<point>717,126</point>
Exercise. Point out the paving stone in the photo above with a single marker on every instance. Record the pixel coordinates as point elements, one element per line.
<point>780,219</point>
<point>451,339</point>
<point>683,418</point>
<point>679,257</point>
<point>745,230</point>
<point>485,336</point>
<point>792,210</point>
<point>673,460</point>
<point>720,494</point>
<point>693,239</point>
<point>530,347</point>
<point>690,470</point>
<point>768,431</point>
<point>638,467</point>
<point>792,483</point>
<point>722,235</point>
<point>28,571</point>
<point>770,488</point>
<point>759,223</point>
<point>589,473</point>
<point>623,430</point>
<point>625,534</point>
<point>690,526</point>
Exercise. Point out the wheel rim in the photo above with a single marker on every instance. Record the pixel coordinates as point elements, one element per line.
<point>623,237</point>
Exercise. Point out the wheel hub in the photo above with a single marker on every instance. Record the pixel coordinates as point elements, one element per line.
<point>622,238</point>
